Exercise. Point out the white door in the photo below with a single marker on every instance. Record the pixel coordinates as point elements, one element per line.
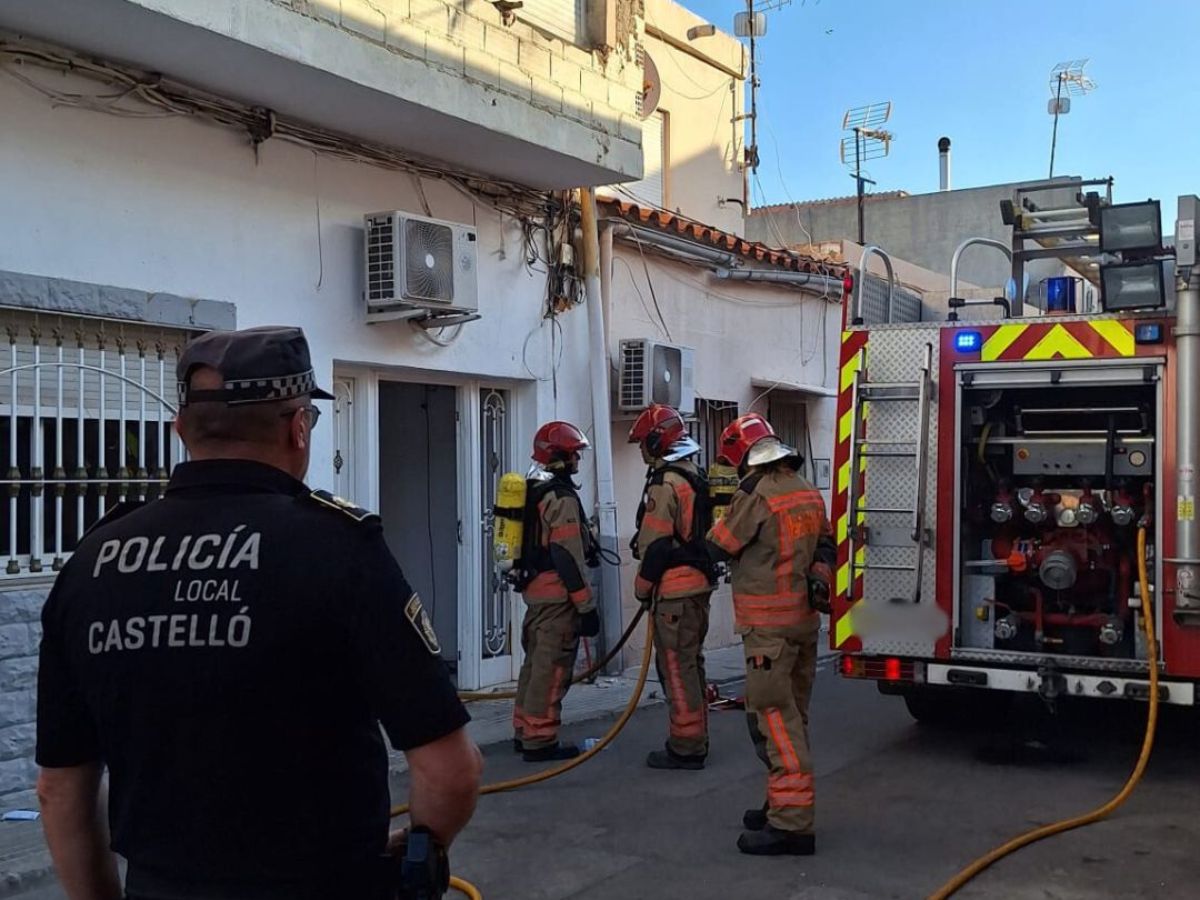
<point>343,440</point>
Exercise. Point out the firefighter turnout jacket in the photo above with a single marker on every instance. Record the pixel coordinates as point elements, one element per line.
<point>670,543</point>
<point>559,540</point>
<point>778,534</point>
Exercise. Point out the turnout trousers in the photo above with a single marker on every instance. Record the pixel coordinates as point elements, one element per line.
<point>780,666</point>
<point>550,638</point>
<point>680,627</point>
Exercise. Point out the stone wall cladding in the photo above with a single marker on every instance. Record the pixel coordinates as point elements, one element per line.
<point>470,37</point>
<point>20,634</point>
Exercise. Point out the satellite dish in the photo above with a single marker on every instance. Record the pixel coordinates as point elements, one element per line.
<point>651,88</point>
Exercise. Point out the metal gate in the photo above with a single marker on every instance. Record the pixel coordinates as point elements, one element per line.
<point>495,458</point>
<point>88,424</point>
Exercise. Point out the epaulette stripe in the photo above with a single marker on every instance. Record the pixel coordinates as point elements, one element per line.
<point>357,513</point>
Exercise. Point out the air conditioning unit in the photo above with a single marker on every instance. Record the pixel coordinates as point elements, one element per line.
<point>416,265</point>
<point>653,372</point>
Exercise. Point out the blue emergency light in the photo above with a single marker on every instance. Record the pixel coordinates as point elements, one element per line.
<point>1148,333</point>
<point>968,341</point>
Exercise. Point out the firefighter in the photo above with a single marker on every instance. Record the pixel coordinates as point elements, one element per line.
<point>674,578</point>
<point>778,538</point>
<point>557,545</point>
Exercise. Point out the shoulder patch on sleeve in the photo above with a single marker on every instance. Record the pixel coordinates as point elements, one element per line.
<point>415,613</point>
<point>357,513</point>
<point>122,509</point>
<point>749,483</point>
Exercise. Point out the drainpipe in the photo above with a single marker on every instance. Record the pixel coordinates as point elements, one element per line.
<point>606,501</point>
<point>814,281</point>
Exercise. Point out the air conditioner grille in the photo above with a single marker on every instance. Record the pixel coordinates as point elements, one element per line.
<point>381,259</point>
<point>429,261</point>
<point>633,375</point>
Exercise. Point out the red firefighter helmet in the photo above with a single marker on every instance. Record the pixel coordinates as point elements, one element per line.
<point>658,428</point>
<point>555,441</point>
<point>740,435</point>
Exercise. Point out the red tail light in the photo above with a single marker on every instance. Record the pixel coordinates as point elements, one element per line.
<point>847,285</point>
<point>881,668</point>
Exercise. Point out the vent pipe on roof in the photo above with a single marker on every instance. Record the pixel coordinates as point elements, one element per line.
<point>944,159</point>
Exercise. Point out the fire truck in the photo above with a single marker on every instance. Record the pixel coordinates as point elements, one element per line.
<point>996,458</point>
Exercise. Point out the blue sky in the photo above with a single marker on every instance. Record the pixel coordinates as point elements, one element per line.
<point>977,71</point>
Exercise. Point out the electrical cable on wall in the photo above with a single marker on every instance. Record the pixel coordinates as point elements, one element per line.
<point>650,284</point>
<point>140,95</point>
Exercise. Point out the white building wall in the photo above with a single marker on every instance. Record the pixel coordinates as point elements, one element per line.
<point>740,332</point>
<point>173,206</point>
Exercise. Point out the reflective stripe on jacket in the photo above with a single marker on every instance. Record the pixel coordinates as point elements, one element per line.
<point>670,515</point>
<point>561,534</point>
<point>777,534</point>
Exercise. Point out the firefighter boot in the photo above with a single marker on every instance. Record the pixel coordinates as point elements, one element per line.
<point>552,753</point>
<point>772,841</point>
<point>755,819</point>
<point>669,759</point>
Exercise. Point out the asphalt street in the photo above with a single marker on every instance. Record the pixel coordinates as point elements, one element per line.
<point>901,808</point>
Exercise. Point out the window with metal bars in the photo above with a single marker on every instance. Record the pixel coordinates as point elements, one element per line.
<point>712,417</point>
<point>86,421</point>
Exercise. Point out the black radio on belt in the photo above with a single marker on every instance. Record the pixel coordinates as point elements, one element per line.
<point>424,867</point>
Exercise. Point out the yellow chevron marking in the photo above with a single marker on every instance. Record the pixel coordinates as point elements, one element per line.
<point>1116,334</point>
<point>1000,341</point>
<point>844,629</point>
<point>844,477</point>
<point>845,426</point>
<point>853,364</point>
<point>1058,342</point>
<point>843,578</point>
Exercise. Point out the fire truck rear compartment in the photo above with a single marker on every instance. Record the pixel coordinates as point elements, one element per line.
<point>1055,481</point>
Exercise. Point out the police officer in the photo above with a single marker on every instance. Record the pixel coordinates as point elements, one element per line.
<point>230,652</point>
<point>675,578</point>
<point>557,545</point>
<point>778,537</point>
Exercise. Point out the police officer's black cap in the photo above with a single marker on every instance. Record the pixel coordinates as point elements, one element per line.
<point>258,365</point>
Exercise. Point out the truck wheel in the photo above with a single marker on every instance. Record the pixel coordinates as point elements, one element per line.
<point>938,709</point>
<point>958,708</point>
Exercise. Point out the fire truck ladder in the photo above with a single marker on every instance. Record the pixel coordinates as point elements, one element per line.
<point>916,448</point>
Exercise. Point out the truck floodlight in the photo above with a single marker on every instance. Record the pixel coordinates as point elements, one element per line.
<point>1126,227</point>
<point>1133,285</point>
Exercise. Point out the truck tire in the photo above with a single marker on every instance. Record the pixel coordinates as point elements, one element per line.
<point>934,708</point>
<point>960,708</point>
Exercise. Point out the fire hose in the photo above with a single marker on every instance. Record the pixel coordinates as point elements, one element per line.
<point>591,672</point>
<point>1045,831</point>
<point>512,784</point>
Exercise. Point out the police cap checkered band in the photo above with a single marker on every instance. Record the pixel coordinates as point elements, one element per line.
<point>258,365</point>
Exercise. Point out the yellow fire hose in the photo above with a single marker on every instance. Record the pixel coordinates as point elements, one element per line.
<point>1024,840</point>
<point>469,889</point>
<point>471,696</point>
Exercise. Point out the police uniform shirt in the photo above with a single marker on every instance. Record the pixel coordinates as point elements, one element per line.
<point>229,652</point>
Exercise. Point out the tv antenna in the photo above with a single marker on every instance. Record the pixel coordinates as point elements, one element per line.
<point>752,24</point>
<point>1067,80</point>
<point>867,141</point>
